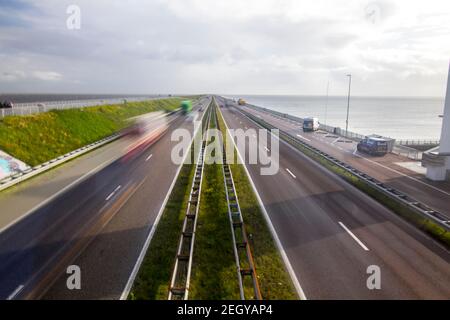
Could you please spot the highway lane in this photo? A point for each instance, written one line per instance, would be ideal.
(99, 224)
(385, 169)
(325, 226)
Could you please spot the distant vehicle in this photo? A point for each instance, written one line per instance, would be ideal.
(373, 145)
(6, 105)
(310, 124)
(242, 102)
(186, 106)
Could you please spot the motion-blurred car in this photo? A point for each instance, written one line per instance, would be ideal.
(144, 131)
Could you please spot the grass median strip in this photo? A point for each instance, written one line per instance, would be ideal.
(214, 269)
(38, 138)
(274, 280)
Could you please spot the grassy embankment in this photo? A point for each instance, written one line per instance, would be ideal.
(274, 280)
(428, 225)
(153, 278)
(38, 138)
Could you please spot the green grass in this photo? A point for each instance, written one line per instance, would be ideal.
(38, 138)
(214, 274)
(274, 280)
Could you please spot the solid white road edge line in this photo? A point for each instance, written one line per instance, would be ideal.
(387, 168)
(129, 285)
(283, 254)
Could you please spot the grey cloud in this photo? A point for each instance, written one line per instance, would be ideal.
(151, 47)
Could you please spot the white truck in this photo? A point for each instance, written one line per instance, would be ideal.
(310, 124)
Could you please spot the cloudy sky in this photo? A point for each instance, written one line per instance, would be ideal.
(392, 48)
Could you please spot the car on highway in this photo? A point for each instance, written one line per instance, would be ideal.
(310, 124)
(6, 105)
(376, 146)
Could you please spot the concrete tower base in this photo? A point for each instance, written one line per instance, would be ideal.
(438, 162)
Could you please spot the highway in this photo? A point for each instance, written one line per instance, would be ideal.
(99, 223)
(332, 232)
(389, 169)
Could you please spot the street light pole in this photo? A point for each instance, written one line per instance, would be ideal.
(348, 103)
(326, 103)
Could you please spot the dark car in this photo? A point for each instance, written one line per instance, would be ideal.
(6, 105)
(373, 146)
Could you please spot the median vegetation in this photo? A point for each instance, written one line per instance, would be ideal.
(214, 273)
(274, 280)
(38, 138)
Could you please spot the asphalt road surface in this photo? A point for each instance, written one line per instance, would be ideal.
(332, 233)
(386, 169)
(100, 224)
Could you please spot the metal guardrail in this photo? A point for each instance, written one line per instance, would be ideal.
(241, 247)
(418, 142)
(407, 152)
(428, 213)
(28, 173)
(334, 130)
(32, 171)
(180, 281)
(398, 147)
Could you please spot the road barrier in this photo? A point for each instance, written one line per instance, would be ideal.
(31, 172)
(181, 275)
(40, 168)
(399, 147)
(241, 246)
(425, 212)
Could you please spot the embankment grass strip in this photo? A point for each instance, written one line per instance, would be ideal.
(274, 280)
(38, 138)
